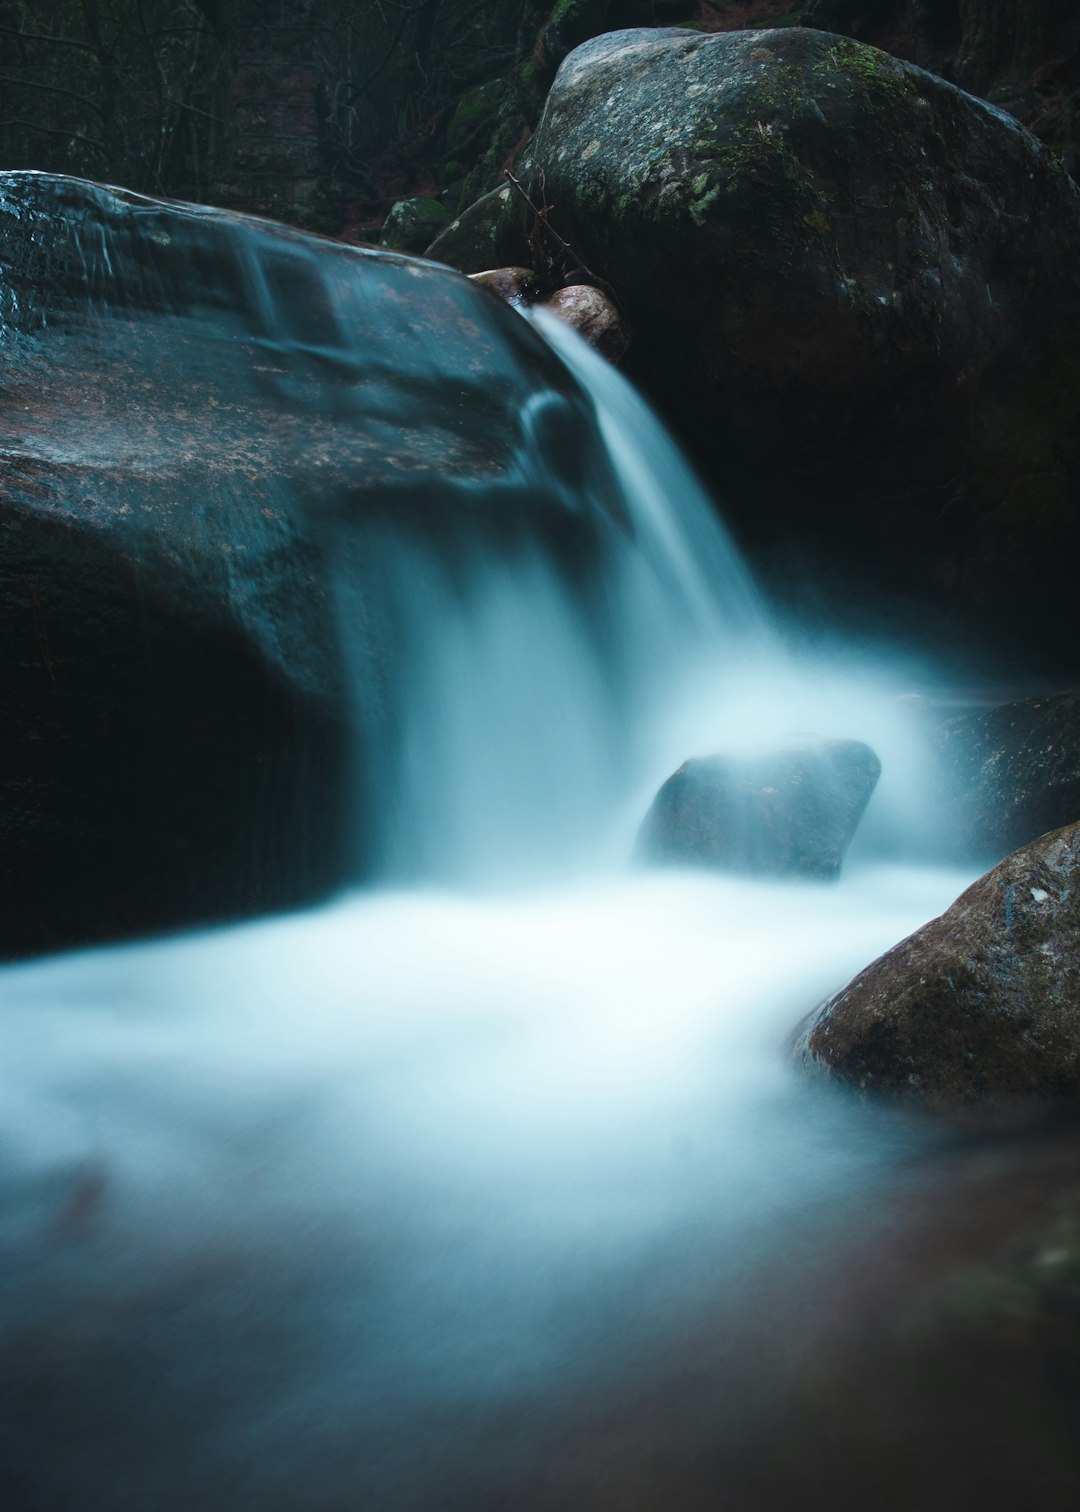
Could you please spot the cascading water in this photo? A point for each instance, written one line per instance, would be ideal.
(397, 1203)
(530, 702)
(537, 715)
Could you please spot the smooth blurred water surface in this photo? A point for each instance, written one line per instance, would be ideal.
(338, 1209)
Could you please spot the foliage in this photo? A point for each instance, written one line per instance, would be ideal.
(404, 97)
(394, 72)
(111, 89)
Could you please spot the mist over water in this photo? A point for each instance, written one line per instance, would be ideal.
(538, 716)
(371, 1205)
(331, 1205)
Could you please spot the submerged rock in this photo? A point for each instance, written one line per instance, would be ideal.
(1012, 773)
(209, 426)
(982, 1003)
(791, 813)
(852, 288)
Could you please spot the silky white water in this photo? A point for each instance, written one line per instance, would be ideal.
(374, 1205)
(538, 718)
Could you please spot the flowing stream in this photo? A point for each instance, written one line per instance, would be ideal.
(381, 1204)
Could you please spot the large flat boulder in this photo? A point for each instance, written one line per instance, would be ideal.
(981, 1005)
(853, 290)
(209, 425)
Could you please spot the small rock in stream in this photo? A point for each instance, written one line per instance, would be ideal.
(790, 813)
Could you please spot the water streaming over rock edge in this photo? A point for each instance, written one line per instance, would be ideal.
(531, 695)
(206, 420)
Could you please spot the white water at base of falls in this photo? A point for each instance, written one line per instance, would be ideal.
(370, 1205)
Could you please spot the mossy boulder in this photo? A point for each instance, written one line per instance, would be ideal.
(1023, 55)
(980, 1005)
(480, 238)
(787, 813)
(413, 223)
(852, 288)
(472, 114)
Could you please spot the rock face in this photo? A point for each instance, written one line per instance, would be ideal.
(208, 426)
(851, 286)
(791, 813)
(518, 287)
(1022, 57)
(413, 223)
(1011, 773)
(981, 1003)
(594, 316)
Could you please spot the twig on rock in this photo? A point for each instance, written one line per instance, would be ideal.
(542, 226)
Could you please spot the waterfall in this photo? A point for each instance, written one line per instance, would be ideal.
(538, 706)
(403, 1200)
(531, 692)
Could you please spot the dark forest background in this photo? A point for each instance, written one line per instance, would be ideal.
(326, 112)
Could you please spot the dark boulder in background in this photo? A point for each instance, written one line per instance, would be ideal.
(208, 422)
(853, 292)
(788, 813)
(981, 1005)
(1010, 774)
(413, 223)
(1024, 56)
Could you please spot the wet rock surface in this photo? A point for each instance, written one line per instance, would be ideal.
(518, 287)
(852, 291)
(981, 1005)
(588, 310)
(791, 813)
(1012, 773)
(594, 316)
(207, 422)
(1023, 57)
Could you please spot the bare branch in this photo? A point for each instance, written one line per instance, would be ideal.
(70, 136)
(55, 89)
(545, 226)
(25, 36)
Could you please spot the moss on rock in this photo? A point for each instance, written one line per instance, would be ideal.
(849, 282)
